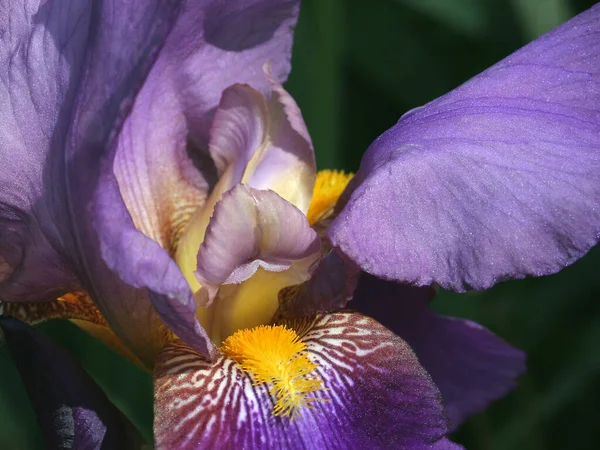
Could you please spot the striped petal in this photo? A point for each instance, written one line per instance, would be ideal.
(471, 365)
(379, 396)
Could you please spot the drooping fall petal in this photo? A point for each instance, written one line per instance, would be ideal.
(470, 365)
(72, 410)
(265, 142)
(379, 396)
(498, 179)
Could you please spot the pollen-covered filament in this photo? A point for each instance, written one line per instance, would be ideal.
(276, 355)
(329, 186)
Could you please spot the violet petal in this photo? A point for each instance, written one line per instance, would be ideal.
(178, 98)
(162, 162)
(470, 365)
(498, 179)
(123, 271)
(42, 48)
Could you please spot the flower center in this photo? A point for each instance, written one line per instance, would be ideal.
(276, 355)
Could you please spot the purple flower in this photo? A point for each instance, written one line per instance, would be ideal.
(157, 181)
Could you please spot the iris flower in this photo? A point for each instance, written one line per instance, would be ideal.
(158, 187)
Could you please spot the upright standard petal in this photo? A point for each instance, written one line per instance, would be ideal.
(286, 163)
(470, 365)
(264, 142)
(498, 179)
(378, 396)
(159, 152)
(72, 410)
(162, 162)
(121, 269)
(42, 47)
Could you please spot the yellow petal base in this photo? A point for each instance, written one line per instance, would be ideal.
(275, 354)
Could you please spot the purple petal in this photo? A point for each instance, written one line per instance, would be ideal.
(287, 163)
(120, 55)
(251, 229)
(71, 69)
(157, 180)
(470, 365)
(239, 130)
(72, 410)
(380, 397)
(42, 47)
(264, 143)
(498, 179)
(165, 139)
(445, 444)
(142, 263)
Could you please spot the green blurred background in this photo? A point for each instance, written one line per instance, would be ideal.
(358, 65)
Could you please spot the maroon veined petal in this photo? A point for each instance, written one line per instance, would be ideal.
(379, 396)
(498, 179)
(471, 366)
